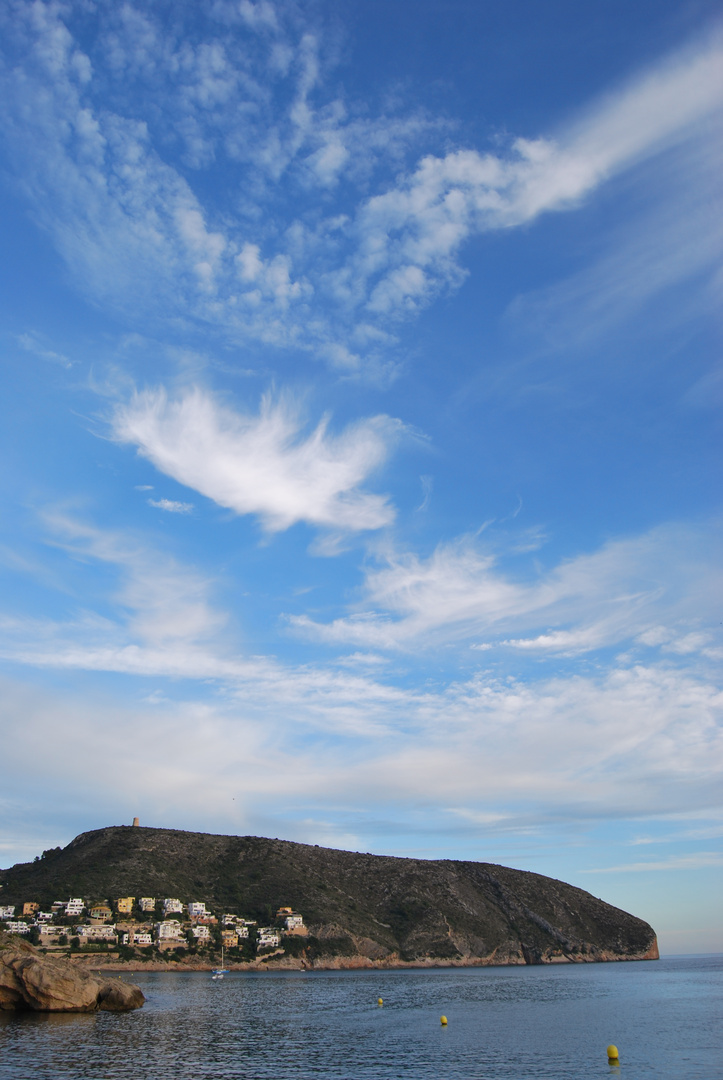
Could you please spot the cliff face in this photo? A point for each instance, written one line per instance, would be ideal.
(369, 908)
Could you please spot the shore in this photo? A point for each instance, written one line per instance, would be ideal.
(278, 962)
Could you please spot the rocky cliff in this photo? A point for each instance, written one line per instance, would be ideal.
(366, 908)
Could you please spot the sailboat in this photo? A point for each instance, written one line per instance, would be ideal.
(219, 972)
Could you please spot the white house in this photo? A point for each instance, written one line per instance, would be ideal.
(196, 909)
(74, 907)
(202, 933)
(17, 928)
(268, 937)
(130, 937)
(147, 903)
(172, 906)
(170, 930)
(96, 933)
(294, 922)
(7, 912)
(53, 931)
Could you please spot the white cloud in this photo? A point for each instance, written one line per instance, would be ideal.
(699, 860)
(171, 506)
(644, 739)
(32, 343)
(673, 238)
(409, 237)
(249, 86)
(259, 14)
(163, 604)
(263, 464)
(612, 595)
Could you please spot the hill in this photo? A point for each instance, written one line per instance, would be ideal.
(371, 907)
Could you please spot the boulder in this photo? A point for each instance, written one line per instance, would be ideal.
(119, 996)
(31, 980)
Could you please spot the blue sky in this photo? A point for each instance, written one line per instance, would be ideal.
(360, 420)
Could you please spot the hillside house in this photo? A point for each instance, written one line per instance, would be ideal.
(101, 912)
(30, 907)
(131, 936)
(7, 912)
(294, 924)
(229, 939)
(197, 910)
(97, 933)
(147, 903)
(172, 907)
(169, 930)
(74, 906)
(201, 933)
(17, 928)
(268, 938)
(52, 933)
(124, 905)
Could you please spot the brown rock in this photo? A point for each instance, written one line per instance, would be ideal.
(11, 990)
(118, 996)
(56, 985)
(30, 980)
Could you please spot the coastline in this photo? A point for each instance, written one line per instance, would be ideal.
(276, 962)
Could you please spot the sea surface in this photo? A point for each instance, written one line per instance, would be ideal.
(665, 1017)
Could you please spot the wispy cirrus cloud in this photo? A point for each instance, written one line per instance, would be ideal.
(32, 343)
(263, 464)
(409, 237)
(615, 594)
(698, 860)
(157, 600)
(498, 753)
(247, 92)
(674, 239)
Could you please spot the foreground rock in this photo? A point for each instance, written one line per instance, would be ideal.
(29, 980)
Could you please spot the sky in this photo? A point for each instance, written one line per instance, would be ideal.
(360, 427)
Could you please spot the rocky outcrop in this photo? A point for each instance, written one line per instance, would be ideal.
(30, 980)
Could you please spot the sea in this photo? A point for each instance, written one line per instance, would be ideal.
(665, 1017)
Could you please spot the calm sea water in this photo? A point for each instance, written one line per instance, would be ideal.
(666, 1018)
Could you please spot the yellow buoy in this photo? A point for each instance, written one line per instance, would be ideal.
(612, 1053)
(380, 1001)
(443, 1021)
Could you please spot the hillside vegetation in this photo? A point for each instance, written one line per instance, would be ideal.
(374, 907)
